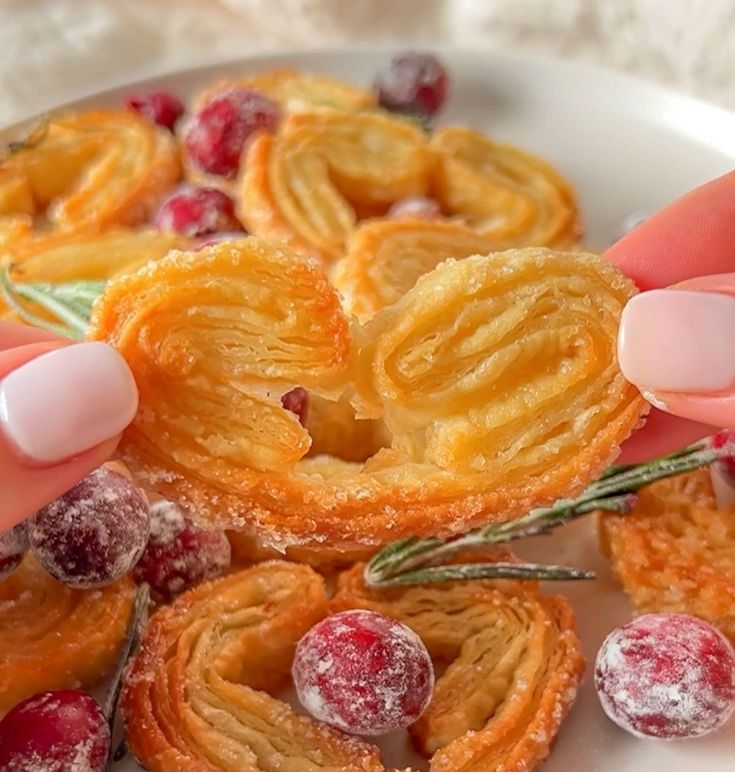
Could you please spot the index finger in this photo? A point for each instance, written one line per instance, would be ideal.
(13, 335)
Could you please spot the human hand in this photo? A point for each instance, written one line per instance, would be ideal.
(678, 344)
(62, 408)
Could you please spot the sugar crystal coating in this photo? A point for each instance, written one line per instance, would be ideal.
(667, 676)
(363, 672)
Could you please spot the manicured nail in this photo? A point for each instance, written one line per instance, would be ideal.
(67, 401)
(678, 340)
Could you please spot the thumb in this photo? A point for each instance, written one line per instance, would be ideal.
(62, 408)
(677, 345)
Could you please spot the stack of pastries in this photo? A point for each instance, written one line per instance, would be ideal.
(424, 294)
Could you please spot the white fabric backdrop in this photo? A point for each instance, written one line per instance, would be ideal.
(53, 49)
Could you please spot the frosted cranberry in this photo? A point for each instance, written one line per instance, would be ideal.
(179, 554)
(13, 545)
(297, 401)
(668, 676)
(157, 106)
(724, 442)
(363, 672)
(197, 212)
(59, 731)
(218, 238)
(93, 534)
(217, 134)
(415, 208)
(413, 83)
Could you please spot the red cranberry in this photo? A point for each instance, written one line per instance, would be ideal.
(157, 106)
(363, 672)
(669, 676)
(58, 731)
(13, 545)
(197, 212)
(93, 534)
(218, 133)
(413, 83)
(218, 238)
(297, 401)
(724, 442)
(180, 555)
(415, 208)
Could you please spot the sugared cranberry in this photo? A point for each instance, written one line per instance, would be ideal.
(218, 238)
(724, 442)
(415, 208)
(217, 134)
(297, 401)
(179, 554)
(668, 676)
(13, 545)
(157, 106)
(197, 212)
(363, 672)
(59, 731)
(93, 534)
(413, 83)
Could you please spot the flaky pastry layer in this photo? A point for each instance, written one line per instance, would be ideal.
(199, 696)
(496, 376)
(56, 637)
(676, 550)
(90, 171)
(513, 664)
(385, 257)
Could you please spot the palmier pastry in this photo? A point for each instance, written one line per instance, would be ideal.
(385, 257)
(199, 694)
(676, 550)
(503, 192)
(496, 375)
(295, 91)
(513, 660)
(56, 637)
(90, 171)
(309, 184)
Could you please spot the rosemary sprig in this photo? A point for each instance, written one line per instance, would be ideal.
(417, 561)
(136, 626)
(69, 302)
(34, 138)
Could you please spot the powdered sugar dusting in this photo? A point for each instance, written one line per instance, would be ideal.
(363, 672)
(13, 544)
(668, 676)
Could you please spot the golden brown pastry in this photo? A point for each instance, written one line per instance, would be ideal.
(64, 257)
(295, 90)
(199, 694)
(504, 193)
(496, 375)
(676, 550)
(309, 184)
(385, 258)
(55, 637)
(90, 171)
(513, 660)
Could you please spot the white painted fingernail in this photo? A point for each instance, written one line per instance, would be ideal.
(67, 401)
(678, 340)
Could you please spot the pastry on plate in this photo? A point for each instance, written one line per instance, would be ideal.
(90, 170)
(385, 257)
(503, 192)
(675, 551)
(513, 664)
(294, 90)
(495, 375)
(56, 637)
(308, 184)
(201, 691)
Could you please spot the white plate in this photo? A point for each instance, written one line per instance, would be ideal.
(626, 146)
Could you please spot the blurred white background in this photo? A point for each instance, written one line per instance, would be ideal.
(51, 50)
